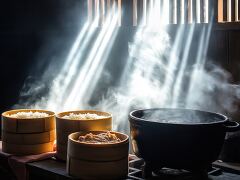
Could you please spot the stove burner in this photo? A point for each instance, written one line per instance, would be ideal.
(138, 168)
(168, 173)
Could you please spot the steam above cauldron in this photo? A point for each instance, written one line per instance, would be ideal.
(155, 74)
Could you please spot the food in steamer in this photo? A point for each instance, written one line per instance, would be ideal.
(83, 116)
(101, 138)
(29, 115)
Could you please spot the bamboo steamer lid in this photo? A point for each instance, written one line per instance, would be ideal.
(29, 139)
(69, 125)
(18, 149)
(66, 126)
(27, 125)
(109, 161)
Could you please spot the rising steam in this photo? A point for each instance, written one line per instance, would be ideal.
(154, 76)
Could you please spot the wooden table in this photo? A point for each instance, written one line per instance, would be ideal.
(52, 169)
(49, 169)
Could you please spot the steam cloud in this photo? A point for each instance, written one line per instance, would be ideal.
(149, 80)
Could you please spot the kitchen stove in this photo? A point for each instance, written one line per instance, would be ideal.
(55, 170)
(138, 171)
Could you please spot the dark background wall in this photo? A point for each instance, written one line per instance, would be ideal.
(32, 33)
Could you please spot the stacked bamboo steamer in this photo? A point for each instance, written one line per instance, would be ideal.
(66, 126)
(25, 136)
(97, 161)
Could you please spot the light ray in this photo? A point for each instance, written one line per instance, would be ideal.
(74, 98)
(182, 68)
(100, 60)
(69, 70)
(200, 62)
(173, 62)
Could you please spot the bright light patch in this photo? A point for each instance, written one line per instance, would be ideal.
(74, 79)
(87, 74)
(200, 62)
(67, 73)
(180, 76)
(154, 73)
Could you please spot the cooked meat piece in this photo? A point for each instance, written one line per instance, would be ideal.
(102, 138)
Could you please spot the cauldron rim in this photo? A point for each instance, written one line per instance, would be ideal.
(142, 120)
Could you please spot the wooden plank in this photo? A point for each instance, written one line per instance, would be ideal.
(102, 12)
(148, 9)
(220, 11)
(227, 26)
(229, 10)
(166, 6)
(119, 10)
(134, 12)
(236, 10)
(171, 12)
(189, 7)
(206, 12)
(175, 7)
(198, 11)
(216, 26)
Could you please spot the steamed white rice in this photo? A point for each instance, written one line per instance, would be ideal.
(83, 116)
(29, 115)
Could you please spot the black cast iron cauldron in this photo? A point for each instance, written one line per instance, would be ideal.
(178, 138)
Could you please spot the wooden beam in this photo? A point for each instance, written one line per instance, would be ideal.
(229, 10)
(135, 12)
(236, 10)
(119, 9)
(220, 11)
(189, 11)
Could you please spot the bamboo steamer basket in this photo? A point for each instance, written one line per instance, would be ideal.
(18, 149)
(25, 136)
(29, 139)
(27, 125)
(65, 127)
(97, 161)
(61, 152)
